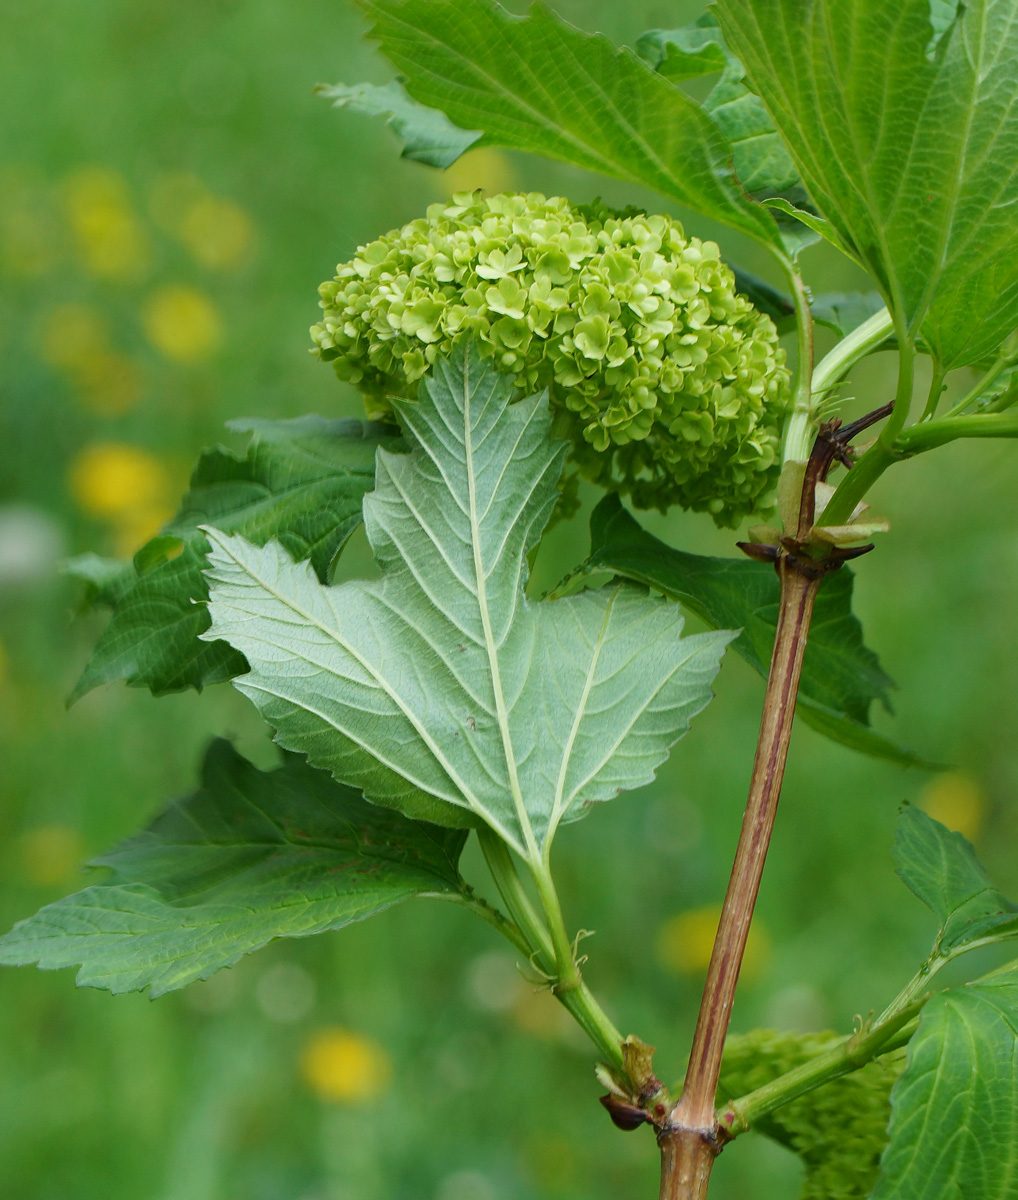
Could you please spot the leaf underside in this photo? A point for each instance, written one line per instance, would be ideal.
(440, 689)
(954, 1122)
(301, 481)
(911, 154)
(540, 85)
(252, 855)
(940, 867)
(841, 677)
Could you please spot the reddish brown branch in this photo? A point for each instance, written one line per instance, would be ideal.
(690, 1145)
(690, 1137)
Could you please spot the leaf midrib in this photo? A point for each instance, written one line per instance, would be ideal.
(501, 712)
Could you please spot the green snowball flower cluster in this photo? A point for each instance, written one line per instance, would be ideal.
(839, 1130)
(670, 384)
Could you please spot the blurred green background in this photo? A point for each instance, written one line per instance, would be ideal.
(171, 194)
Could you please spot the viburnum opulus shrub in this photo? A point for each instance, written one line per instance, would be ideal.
(504, 346)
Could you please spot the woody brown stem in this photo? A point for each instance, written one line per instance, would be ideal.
(690, 1136)
(686, 1161)
(690, 1143)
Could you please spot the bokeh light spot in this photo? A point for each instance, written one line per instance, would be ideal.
(75, 339)
(538, 1013)
(218, 233)
(31, 544)
(485, 168)
(493, 982)
(285, 993)
(956, 800)
(685, 943)
(111, 242)
(51, 854)
(112, 479)
(343, 1067)
(465, 1185)
(182, 323)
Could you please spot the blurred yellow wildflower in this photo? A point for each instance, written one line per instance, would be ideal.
(133, 529)
(536, 1011)
(217, 232)
(110, 240)
(182, 323)
(344, 1067)
(75, 339)
(485, 168)
(50, 854)
(685, 942)
(956, 800)
(112, 479)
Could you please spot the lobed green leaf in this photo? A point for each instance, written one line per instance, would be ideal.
(540, 85)
(841, 677)
(762, 163)
(939, 866)
(106, 580)
(301, 482)
(954, 1118)
(441, 689)
(910, 153)
(428, 134)
(251, 856)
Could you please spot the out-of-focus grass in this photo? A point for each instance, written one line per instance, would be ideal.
(170, 196)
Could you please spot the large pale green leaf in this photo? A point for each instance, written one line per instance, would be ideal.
(441, 689)
(300, 481)
(940, 867)
(252, 855)
(954, 1112)
(841, 677)
(429, 136)
(912, 156)
(538, 84)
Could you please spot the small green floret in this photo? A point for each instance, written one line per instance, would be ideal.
(671, 385)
